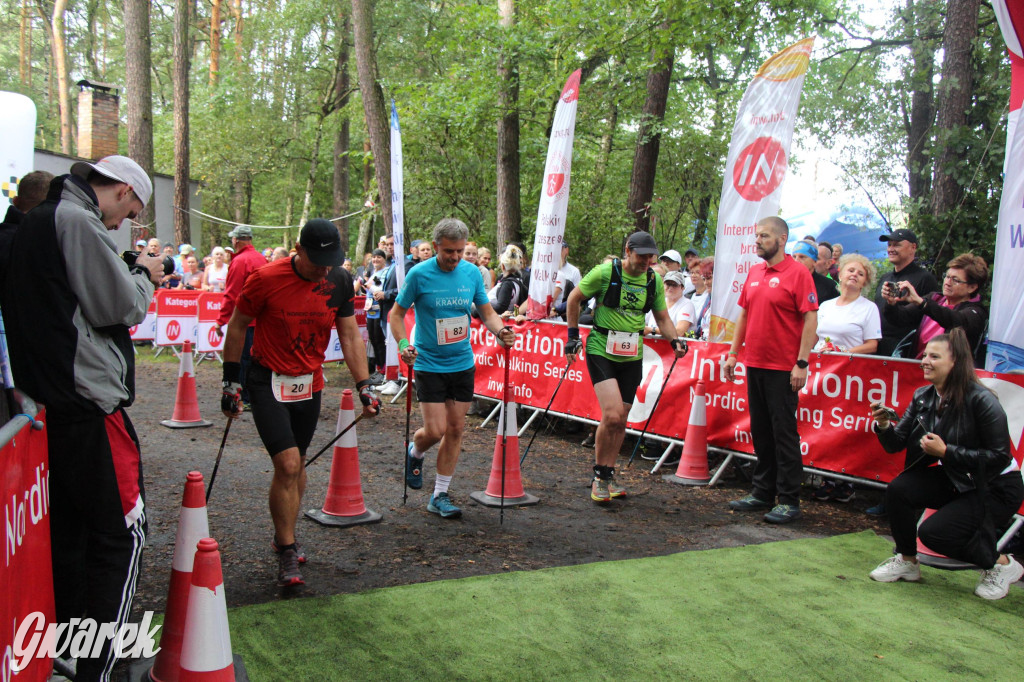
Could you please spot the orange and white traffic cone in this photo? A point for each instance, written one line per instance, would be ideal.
(206, 648)
(929, 557)
(193, 526)
(693, 464)
(186, 405)
(344, 505)
(514, 494)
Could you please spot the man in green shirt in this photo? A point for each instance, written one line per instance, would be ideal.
(625, 290)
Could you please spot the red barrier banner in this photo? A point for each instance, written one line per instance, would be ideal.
(208, 308)
(26, 579)
(145, 330)
(833, 414)
(176, 316)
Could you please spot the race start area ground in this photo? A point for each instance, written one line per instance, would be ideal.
(411, 545)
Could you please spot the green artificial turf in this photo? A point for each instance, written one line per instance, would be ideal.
(796, 610)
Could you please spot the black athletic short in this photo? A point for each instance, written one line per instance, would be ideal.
(628, 374)
(436, 387)
(280, 425)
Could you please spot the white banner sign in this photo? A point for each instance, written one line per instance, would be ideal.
(1006, 326)
(554, 202)
(18, 121)
(398, 231)
(755, 169)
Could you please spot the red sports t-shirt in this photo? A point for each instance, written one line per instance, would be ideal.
(776, 299)
(294, 317)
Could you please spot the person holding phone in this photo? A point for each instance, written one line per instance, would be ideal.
(902, 252)
(957, 423)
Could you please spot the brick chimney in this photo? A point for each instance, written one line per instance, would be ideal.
(98, 105)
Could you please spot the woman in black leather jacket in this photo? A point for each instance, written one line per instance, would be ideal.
(977, 487)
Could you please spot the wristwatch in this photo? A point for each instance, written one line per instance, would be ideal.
(802, 364)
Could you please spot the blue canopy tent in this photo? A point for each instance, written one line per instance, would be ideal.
(856, 228)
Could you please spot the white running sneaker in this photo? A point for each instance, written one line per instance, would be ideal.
(995, 582)
(896, 568)
(390, 388)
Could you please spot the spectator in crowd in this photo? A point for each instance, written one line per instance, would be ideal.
(566, 280)
(898, 330)
(775, 331)
(470, 254)
(375, 321)
(387, 299)
(848, 324)
(153, 246)
(680, 308)
(484, 263)
(956, 422)
(141, 245)
(426, 251)
(692, 258)
(32, 189)
(673, 262)
(347, 264)
(70, 300)
(245, 262)
(169, 250)
(366, 267)
(230, 254)
(823, 266)
(193, 276)
(837, 253)
(627, 290)
(413, 258)
(510, 292)
(702, 306)
(268, 254)
(389, 246)
(959, 304)
(216, 276)
(442, 291)
(279, 253)
(806, 253)
(295, 304)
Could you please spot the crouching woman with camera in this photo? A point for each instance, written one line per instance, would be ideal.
(958, 423)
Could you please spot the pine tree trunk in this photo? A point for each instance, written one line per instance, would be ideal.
(341, 140)
(60, 64)
(214, 42)
(648, 143)
(25, 45)
(954, 98)
(182, 61)
(139, 90)
(509, 208)
(373, 104)
(236, 11)
(921, 18)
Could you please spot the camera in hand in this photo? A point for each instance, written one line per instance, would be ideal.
(891, 290)
(130, 257)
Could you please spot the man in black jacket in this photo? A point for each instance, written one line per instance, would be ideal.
(31, 191)
(902, 253)
(70, 302)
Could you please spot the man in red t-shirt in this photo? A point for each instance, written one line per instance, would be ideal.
(245, 261)
(296, 302)
(781, 308)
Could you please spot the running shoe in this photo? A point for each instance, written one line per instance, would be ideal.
(995, 582)
(442, 504)
(376, 379)
(896, 568)
(288, 573)
(599, 491)
(749, 503)
(298, 550)
(413, 470)
(844, 492)
(825, 492)
(390, 388)
(588, 442)
(783, 513)
(615, 490)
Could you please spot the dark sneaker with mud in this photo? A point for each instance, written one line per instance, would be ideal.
(749, 503)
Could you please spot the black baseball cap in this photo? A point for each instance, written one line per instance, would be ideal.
(901, 235)
(322, 243)
(642, 243)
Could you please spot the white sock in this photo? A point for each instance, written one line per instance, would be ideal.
(441, 484)
(416, 453)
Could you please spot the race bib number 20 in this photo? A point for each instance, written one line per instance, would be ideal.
(291, 389)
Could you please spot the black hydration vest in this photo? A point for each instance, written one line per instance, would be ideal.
(613, 293)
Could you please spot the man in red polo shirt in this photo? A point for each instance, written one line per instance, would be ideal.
(243, 263)
(781, 308)
(296, 301)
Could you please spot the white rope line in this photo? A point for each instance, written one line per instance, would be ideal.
(225, 221)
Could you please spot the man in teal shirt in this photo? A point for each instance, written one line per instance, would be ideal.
(625, 291)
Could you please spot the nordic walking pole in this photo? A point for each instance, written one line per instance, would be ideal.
(220, 452)
(334, 440)
(546, 410)
(651, 415)
(408, 414)
(504, 434)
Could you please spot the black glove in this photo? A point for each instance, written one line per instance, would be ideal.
(367, 397)
(231, 398)
(573, 343)
(678, 343)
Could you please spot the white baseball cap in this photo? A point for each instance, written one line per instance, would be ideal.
(122, 169)
(672, 255)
